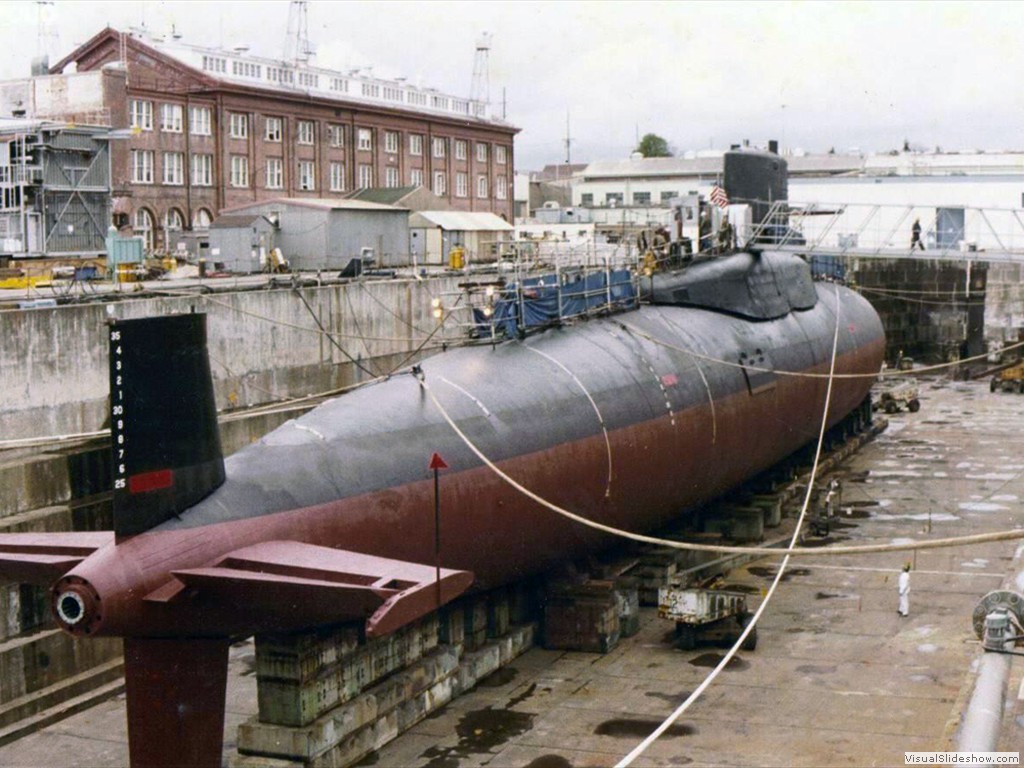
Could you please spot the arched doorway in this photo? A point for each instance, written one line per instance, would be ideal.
(202, 219)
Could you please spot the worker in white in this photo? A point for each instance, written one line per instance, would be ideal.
(904, 590)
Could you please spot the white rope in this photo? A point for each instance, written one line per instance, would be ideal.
(979, 538)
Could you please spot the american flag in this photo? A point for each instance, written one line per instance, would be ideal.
(718, 197)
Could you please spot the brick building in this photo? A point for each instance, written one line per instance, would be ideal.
(212, 129)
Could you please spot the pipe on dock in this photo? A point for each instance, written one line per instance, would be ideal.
(979, 731)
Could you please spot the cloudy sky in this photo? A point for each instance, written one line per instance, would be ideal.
(816, 75)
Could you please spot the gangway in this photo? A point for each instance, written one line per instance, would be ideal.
(948, 233)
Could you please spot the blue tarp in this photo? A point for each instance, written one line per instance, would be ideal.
(540, 306)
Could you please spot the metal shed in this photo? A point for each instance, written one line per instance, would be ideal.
(241, 242)
(55, 188)
(432, 235)
(315, 233)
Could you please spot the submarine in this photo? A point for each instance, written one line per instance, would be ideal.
(712, 373)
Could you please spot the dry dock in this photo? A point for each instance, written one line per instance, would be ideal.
(837, 678)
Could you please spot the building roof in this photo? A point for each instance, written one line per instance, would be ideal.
(319, 203)
(233, 220)
(383, 195)
(652, 167)
(460, 221)
(302, 78)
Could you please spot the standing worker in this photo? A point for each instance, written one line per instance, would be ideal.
(915, 235)
(904, 590)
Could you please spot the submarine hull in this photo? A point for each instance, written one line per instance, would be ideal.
(626, 420)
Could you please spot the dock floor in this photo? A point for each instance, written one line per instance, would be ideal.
(838, 678)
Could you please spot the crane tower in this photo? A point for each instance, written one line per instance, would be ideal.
(480, 90)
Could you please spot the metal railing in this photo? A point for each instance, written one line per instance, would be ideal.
(14, 175)
(526, 294)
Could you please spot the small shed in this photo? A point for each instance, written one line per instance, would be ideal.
(432, 235)
(317, 233)
(241, 242)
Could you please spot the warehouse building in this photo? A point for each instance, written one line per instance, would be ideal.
(313, 234)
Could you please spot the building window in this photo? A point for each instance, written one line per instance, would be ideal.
(337, 177)
(415, 144)
(202, 170)
(365, 139)
(336, 135)
(309, 79)
(280, 75)
(143, 225)
(365, 176)
(239, 171)
(275, 173)
(482, 186)
(666, 197)
(460, 152)
(174, 168)
(440, 183)
(391, 141)
(199, 121)
(438, 145)
(641, 198)
(307, 175)
(215, 64)
(142, 115)
(142, 166)
(391, 178)
(613, 198)
(339, 84)
(461, 185)
(202, 219)
(481, 153)
(274, 129)
(246, 69)
(500, 155)
(171, 117)
(174, 221)
(304, 131)
(416, 177)
(501, 188)
(587, 198)
(239, 125)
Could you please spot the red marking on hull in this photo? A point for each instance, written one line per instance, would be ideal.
(151, 481)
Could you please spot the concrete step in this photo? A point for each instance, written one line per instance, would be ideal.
(37, 710)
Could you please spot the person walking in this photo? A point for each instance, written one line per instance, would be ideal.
(904, 591)
(915, 235)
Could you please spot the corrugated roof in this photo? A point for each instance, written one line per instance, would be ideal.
(460, 221)
(383, 195)
(321, 203)
(235, 220)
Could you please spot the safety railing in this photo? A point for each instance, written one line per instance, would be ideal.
(529, 295)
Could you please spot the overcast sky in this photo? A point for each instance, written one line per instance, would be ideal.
(701, 74)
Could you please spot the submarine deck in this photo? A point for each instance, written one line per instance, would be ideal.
(837, 678)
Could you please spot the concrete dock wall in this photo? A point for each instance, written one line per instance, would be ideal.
(264, 346)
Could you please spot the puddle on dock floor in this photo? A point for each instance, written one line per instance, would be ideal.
(639, 729)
